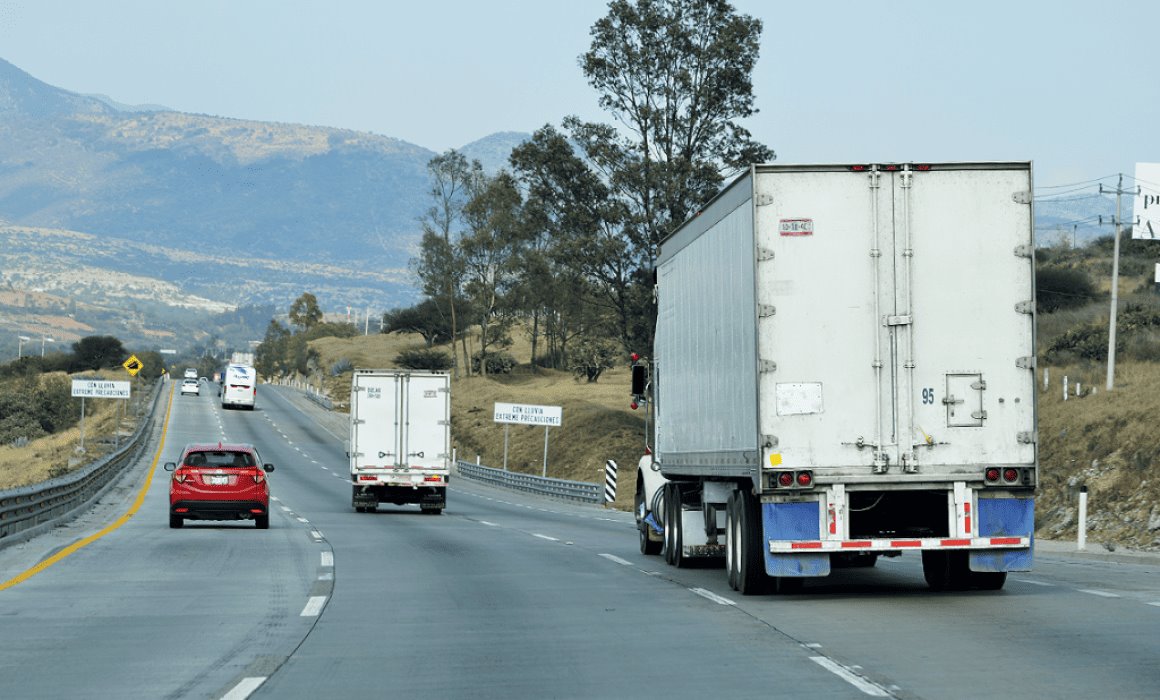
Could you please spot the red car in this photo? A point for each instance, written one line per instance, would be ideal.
(219, 482)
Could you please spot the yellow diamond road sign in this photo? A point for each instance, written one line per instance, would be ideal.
(133, 365)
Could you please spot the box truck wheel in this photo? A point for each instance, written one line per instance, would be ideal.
(647, 545)
(988, 580)
(751, 577)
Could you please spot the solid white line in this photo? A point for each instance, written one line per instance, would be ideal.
(850, 677)
(618, 560)
(1102, 594)
(244, 688)
(1157, 604)
(313, 606)
(545, 537)
(327, 559)
(303, 520)
(1034, 583)
(484, 522)
(712, 596)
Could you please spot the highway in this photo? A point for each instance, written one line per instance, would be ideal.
(508, 595)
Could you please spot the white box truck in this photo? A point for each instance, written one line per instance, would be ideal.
(843, 368)
(400, 438)
(239, 387)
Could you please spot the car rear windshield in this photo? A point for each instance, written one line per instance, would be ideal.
(220, 458)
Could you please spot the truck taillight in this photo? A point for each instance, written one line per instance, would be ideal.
(802, 479)
(785, 479)
(1010, 475)
(432, 478)
(991, 475)
(805, 479)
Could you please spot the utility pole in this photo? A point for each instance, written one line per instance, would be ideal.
(1115, 282)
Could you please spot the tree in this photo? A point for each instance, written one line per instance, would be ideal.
(489, 254)
(304, 312)
(676, 75)
(438, 265)
(97, 351)
(425, 318)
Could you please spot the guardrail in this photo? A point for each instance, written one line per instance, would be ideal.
(30, 510)
(560, 488)
(310, 391)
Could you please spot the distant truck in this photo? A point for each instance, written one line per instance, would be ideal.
(843, 369)
(239, 387)
(400, 438)
(242, 358)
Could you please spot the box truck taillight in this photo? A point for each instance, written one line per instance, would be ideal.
(996, 476)
(366, 477)
(432, 478)
(802, 479)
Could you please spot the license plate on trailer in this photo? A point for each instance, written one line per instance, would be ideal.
(217, 480)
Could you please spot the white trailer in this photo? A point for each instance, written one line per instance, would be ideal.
(843, 368)
(239, 387)
(400, 438)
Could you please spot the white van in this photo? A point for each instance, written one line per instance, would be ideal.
(190, 373)
(239, 387)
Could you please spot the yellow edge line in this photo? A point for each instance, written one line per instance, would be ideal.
(110, 528)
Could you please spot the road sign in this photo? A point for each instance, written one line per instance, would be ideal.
(99, 389)
(526, 414)
(1146, 222)
(133, 365)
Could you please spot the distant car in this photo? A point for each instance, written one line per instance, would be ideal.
(219, 482)
(190, 386)
(190, 373)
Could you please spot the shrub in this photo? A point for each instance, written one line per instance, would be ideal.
(423, 358)
(1062, 288)
(340, 366)
(589, 358)
(495, 362)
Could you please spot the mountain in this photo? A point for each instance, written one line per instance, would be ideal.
(156, 208)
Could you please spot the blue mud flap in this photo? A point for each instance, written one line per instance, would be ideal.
(793, 521)
(1005, 517)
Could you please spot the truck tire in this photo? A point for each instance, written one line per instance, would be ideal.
(988, 580)
(751, 576)
(946, 571)
(647, 546)
(731, 537)
(674, 538)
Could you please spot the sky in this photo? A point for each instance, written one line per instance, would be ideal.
(1069, 85)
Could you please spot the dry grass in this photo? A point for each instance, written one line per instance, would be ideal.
(55, 455)
(1108, 442)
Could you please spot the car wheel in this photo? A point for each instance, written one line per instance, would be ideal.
(262, 521)
(176, 521)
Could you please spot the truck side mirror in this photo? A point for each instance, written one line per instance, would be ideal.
(639, 379)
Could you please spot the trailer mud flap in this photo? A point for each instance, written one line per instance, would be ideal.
(1005, 517)
(793, 521)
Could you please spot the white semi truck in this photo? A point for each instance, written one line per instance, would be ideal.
(843, 368)
(400, 438)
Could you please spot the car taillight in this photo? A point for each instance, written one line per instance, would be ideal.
(182, 477)
(259, 477)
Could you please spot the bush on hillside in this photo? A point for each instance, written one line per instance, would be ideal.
(1062, 288)
(340, 366)
(423, 358)
(495, 362)
(32, 406)
(589, 358)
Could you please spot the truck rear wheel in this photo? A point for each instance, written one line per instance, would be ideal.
(946, 570)
(674, 538)
(731, 537)
(751, 576)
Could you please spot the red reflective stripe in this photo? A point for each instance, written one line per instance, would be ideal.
(954, 543)
(967, 509)
(857, 544)
(805, 545)
(1006, 540)
(905, 543)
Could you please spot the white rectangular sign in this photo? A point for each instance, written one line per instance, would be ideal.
(526, 414)
(99, 389)
(1146, 212)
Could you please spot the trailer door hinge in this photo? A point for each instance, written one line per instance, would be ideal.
(357, 421)
(1024, 251)
(1025, 307)
(764, 254)
(1025, 362)
(900, 320)
(1021, 197)
(980, 385)
(1027, 437)
(766, 366)
(979, 415)
(765, 310)
(769, 441)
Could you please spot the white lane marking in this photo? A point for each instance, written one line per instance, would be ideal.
(244, 688)
(814, 645)
(484, 522)
(313, 606)
(286, 509)
(618, 560)
(274, 498)
(1102, 594)
(545, 537)
(712, 596)
(327, 559)
(850, 677)
(1157, 604)
(1035, 583)
(316, 534)
(303, 520)
(328, 576)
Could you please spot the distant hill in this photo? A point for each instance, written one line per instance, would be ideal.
(226, 210)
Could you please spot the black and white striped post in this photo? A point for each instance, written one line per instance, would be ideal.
(610, 481)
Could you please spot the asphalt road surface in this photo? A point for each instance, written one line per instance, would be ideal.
(509, 595)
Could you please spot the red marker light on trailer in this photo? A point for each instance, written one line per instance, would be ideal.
(785, 479)
(805, 479)
(1010, 475)
(634, 405)
(634, 357)
(992, 474)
